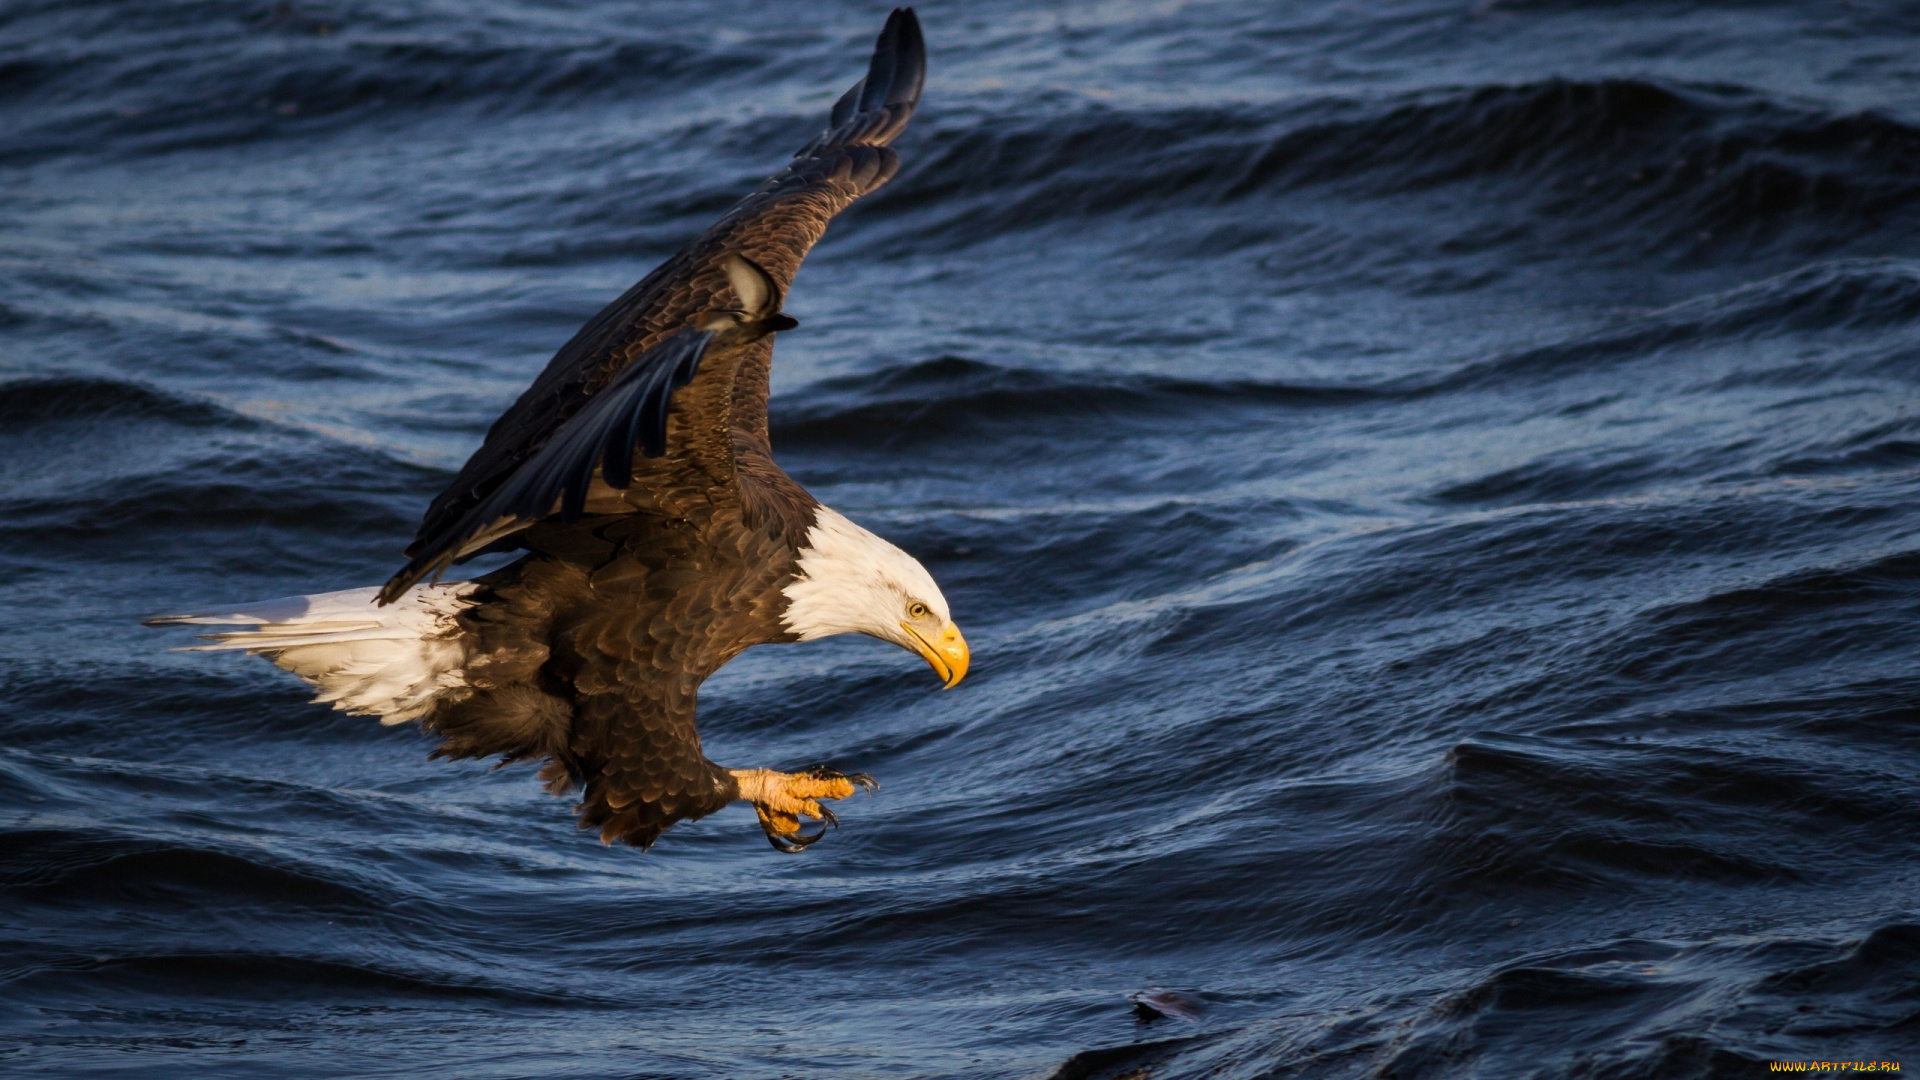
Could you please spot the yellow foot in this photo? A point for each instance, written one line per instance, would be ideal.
(782, 799)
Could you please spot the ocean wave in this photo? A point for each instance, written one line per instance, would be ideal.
(1558, 813)
(1585, 475)
(1801, 617)
(25, 403)
(59, 867)
(117, 457)
(1882, 965)
(1750, 607)
(1686, 165)
(228, 975)
(236, 72)
(1844, 295)
(1534, 1011)
(361, 497)
(1894, 445)
(1850, 294)
(1139, 1059)
(1686, 168)
(951, 394)
(1628, 1006)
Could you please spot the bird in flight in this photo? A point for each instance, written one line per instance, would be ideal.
(661, 540)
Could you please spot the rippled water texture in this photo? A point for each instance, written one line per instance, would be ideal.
(1431, 487)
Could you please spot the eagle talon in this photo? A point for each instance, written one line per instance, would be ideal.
(784, 800)
(864, 782)
(794, 843)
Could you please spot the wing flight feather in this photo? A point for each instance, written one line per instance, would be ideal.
(627, 416)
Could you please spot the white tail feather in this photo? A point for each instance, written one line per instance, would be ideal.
(392, 662)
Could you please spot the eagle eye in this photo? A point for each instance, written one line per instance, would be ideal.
(917, 610)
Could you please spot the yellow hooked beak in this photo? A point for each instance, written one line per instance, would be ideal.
(948, 654)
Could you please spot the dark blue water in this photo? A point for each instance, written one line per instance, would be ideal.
(1433, 489)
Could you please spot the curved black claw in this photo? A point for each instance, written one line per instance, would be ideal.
(864, 782)
(794, 843)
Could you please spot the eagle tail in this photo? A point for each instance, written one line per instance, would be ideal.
(396, 662)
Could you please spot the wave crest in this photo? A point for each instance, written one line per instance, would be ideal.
(26, 402)
(1688, 165)
(951, 394)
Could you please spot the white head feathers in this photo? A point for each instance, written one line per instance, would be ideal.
(853, 582)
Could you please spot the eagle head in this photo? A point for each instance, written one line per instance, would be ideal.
(849, 581)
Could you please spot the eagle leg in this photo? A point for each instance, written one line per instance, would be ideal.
(782, 799)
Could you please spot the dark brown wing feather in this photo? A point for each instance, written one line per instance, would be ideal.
(628, 417)
(774, 227)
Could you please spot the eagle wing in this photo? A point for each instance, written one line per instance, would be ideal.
(772, 230)
(627, 416)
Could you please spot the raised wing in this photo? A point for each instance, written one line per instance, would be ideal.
(773, 229)
(627, 416)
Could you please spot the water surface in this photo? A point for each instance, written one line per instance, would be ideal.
(1431, 488)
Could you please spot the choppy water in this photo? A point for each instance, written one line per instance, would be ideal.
(1432, 488)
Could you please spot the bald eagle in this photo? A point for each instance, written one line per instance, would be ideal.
(660, 538)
